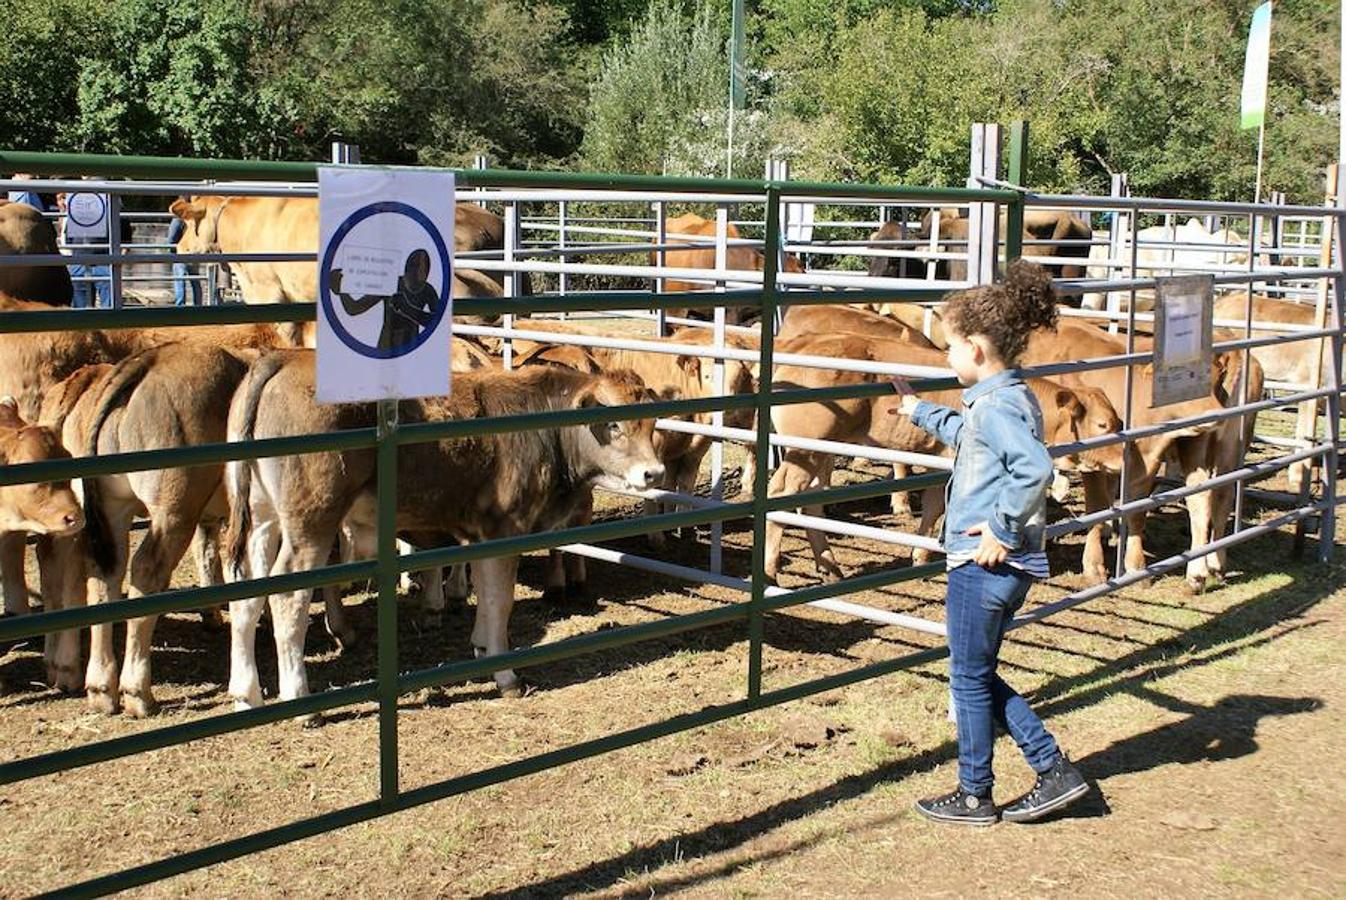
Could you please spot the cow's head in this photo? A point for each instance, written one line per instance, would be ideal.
(622, 452)
(1078, 415)
(202, 216)
(43, 508)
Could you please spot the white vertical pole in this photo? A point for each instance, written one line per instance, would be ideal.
(983, 218)
(974, 213)
(565, 279)
(717, 381)
(661, 283)
(511, 278)
(1117, 240)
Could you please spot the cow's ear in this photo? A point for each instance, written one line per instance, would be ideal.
(691, 365)
(9, 413)
(585, 398)
(188, 211)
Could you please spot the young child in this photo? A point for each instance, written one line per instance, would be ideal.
(993, 536)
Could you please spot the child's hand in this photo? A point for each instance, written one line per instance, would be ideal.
(909, 398)
(990, 552)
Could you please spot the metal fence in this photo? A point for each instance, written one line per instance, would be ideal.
(770, 289)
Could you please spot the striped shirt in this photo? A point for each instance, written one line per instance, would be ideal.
(1032, 563)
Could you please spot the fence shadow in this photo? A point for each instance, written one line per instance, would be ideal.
(1224, 730)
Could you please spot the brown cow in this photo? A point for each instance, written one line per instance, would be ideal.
(285, 511)
(1202, 450)
(290, 225)
(23, 230)
(173, 395)
(739, 258)
(1067, 415)
(1039, 224)
(50, 510)
(801, 321)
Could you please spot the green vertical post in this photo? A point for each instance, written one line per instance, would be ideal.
(387, 603)
(770, 266)
(1018, 174)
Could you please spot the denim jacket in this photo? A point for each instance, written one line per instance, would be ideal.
(1001, 468)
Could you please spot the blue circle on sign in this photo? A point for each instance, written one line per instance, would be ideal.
(324, 285)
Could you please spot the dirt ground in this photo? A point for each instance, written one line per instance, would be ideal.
(1211, 725)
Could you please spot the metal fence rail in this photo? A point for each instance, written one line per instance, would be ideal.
(768, 292)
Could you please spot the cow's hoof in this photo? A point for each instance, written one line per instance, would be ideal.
(829, 576)
(514, 691)
(346, 639)
(310, 721)
(139, 707)
(578, 592)
(555, 594)
(1095, 575)
(102, 701)
(66, 679)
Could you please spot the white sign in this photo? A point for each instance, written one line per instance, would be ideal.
(86, 215)
(1182, 338)
(385, 283)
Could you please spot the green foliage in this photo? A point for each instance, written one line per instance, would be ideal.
(871, 90)
(659, 102)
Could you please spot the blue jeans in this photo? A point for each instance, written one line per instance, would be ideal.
(84, 290)
(981, 603)
(180, 283)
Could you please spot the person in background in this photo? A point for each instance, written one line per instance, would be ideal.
(84, 290)
(32, 198)
(182, 272)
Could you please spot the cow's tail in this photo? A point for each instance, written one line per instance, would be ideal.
(238, 472)
(128, 375)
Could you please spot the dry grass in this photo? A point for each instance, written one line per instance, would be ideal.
(1212, 725)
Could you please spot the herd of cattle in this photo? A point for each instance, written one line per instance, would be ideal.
(118, 391)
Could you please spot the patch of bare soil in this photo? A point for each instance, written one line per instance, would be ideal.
(1212, 726)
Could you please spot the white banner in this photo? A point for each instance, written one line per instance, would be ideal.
(385, 283)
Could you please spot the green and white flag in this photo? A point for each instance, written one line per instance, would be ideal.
(1254, 109)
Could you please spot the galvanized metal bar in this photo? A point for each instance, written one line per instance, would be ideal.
(386, 535)
(1017, 174)
(13, 628)
(177, 457)
(771, 261)
(175, 167)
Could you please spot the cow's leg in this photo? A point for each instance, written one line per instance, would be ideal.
(1097, 496)
(577, 576)
(901, 500)
(101, 678)
(495, 580)
(554, 584)
(152, 567)
(209, 569)
(289, 616)
(1142, 483)
(932, 507)
(795, 474)
(11, 573)
(244, 683)
(457, 586)
(824, 558)
(1192, 456)
(61, 576)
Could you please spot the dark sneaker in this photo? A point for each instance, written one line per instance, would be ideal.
(1055, 788)
(960, 808)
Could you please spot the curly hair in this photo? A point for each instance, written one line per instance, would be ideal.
(1005, 313)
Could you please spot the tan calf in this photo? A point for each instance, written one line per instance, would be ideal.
(285, 511)
(174, 395)
(1202, 450)
(874, 421)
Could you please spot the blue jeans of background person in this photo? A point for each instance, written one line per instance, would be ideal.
(84, 290)
(180, 283)
(981, 603)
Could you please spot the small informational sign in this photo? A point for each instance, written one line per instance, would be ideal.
(86, 216)
(385, 279)
(799, 222)
(1182, 338)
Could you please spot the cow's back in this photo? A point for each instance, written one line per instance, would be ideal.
(24, 231)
